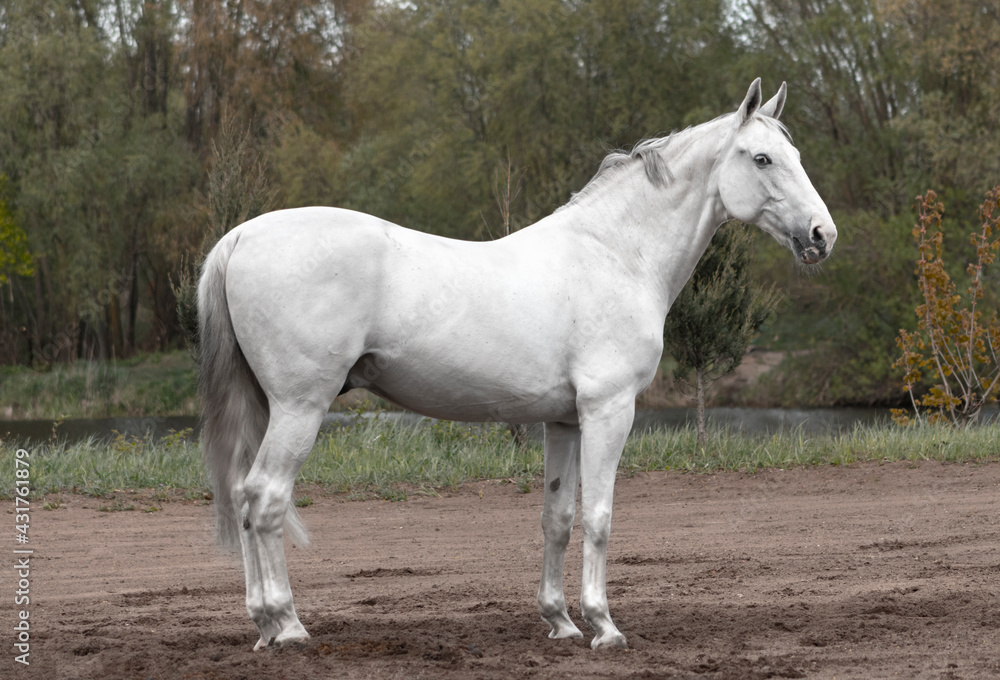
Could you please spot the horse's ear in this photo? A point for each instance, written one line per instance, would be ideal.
(751, 103)
(776, 103)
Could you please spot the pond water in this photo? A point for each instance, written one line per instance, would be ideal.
(747, 420)
(77, 429)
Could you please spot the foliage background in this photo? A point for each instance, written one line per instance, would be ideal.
(110, 110)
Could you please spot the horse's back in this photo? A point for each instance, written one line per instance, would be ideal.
(311, 236)
(455, 329)
(437, 324)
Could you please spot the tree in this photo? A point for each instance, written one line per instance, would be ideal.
(15, 258)
(257, 59)
(441, 91)
(843, 63)
(954, 341)
(98, 172)
(50, 93)
(718, 314)
(887, 98)
(238, 191)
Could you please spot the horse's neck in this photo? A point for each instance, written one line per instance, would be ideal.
(659, 232)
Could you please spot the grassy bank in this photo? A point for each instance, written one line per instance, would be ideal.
(145, 385)
(161, 384)
(373, 457)
(166, 385)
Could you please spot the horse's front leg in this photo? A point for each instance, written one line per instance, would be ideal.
(562, 465)
(604, 431)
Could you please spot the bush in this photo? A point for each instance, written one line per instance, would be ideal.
(953, 342)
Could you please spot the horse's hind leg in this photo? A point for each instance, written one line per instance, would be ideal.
(267, 492)
(562, 464)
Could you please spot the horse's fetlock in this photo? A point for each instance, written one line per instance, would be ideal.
(279, 608)
(549, 606)
(258, 615)
(594, 609)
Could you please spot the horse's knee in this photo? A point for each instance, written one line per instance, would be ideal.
(597, 528)
(557, 525)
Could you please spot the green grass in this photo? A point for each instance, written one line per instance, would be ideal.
(727, 450)
(374, 457)
(100, 468)
(144, 385)
(163, 384)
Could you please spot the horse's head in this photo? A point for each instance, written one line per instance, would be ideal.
(761, 181)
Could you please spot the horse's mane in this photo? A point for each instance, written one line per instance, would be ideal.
(653, 153)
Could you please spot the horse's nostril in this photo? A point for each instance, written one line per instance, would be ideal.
(816, 234)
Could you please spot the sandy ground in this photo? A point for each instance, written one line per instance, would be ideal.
(888, 571)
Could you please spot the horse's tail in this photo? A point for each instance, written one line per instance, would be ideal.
(234, 408)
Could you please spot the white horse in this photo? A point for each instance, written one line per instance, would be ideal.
(560, 323)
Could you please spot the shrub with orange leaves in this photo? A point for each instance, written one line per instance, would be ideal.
(953, 344)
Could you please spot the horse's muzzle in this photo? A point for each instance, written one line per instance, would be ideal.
(819, 244)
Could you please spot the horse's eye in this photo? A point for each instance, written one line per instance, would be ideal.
(761, 160)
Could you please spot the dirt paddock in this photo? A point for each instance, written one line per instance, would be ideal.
(888, 571)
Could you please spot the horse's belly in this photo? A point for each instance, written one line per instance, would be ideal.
(435, 389)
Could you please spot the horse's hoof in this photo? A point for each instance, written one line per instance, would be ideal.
(609, 641)
(562, 627)
(568, 633)
(295, 637)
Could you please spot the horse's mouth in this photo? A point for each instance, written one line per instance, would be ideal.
(811, 255)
